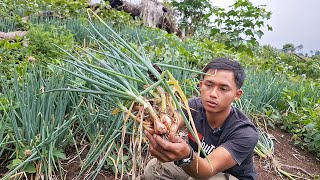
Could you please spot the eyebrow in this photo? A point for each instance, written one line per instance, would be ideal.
(227, 85)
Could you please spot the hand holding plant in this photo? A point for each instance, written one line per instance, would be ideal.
(117, 74)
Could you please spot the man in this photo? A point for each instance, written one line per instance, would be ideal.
(226, 134)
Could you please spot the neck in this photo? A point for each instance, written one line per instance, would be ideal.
(217, 119)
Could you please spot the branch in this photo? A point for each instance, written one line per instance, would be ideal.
(303, 59)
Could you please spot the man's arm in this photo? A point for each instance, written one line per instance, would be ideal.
(176, 148)
(220, 160)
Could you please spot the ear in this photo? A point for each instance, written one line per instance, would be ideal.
(238, 94)
(200, 84)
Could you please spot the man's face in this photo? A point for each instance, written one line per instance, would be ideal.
(218, 90)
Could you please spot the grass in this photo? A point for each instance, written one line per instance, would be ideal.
(263, 91)
(37, 125)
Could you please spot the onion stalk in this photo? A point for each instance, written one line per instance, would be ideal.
(119, 74)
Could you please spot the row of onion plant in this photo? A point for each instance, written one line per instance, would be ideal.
(125, 78)
(35, 127)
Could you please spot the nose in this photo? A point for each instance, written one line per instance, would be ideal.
(214, 92)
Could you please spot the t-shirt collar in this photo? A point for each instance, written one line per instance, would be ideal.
(224, 123)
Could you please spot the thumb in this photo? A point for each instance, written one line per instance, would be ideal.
(174, 139)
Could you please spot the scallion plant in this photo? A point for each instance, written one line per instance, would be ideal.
(36, 125)
(265, 150)
(128, 80)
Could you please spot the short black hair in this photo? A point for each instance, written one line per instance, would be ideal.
(230, 65)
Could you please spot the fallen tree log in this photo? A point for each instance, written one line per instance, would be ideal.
(300, 57)
(152, 12)
(12, 35)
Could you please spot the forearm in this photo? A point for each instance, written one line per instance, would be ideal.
(200, 168)
(218, 161)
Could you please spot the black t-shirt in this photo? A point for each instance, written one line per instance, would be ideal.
(237, 135)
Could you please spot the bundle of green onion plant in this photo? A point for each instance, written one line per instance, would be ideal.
(118, 74)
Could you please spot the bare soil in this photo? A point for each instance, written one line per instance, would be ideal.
(291, 158)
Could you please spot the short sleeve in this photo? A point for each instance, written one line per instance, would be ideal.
(241, 142)
(194, 107)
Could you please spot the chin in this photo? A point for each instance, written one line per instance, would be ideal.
(212, 110)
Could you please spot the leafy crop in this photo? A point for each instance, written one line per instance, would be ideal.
(37, 125)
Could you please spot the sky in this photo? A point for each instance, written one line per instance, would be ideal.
(293, 21)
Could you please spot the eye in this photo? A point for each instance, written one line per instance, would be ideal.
(224, 88)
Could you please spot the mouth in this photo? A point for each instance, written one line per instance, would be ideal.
(212, 103)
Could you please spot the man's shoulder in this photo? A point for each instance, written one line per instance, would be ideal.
(195, 103)
(240, 117)
(240, 123)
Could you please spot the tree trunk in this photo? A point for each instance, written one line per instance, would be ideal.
(152, 12)
(133, 9)
(12, 35)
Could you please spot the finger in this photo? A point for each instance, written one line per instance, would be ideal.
(174, 139)
(155, 149)
(159, 155)
(150, 137)
(165, 150)
(149, 129)
(154, 142)
(163, 144)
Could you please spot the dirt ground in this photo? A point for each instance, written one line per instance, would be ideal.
(291, 158)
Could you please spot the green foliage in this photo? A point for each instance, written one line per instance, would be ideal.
(193, 14)
(15, 14)
(110, 163)
(262, 93)
(242, 24)
(42, 41)
(13, 57)
(289, 48)
(61, 8)
(38, 124)
(102, 129)
(80, 28)
(300, 105)
(296, 105)
(8, 24)
(164, 47)
(64, 8)
(30, 167)
(289, 64)
(39, 47)
(271, 95)
(10, 8)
